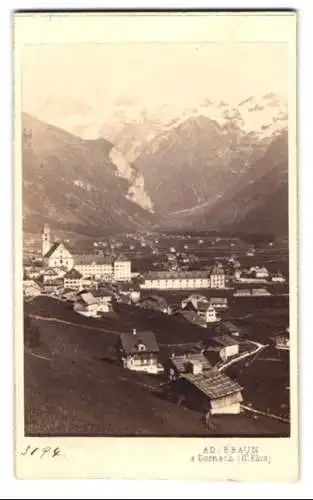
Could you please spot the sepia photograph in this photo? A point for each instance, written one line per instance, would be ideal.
(156, 234)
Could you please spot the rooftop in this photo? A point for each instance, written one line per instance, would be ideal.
(130, 341)
(225, 340)
(73, 274)
(155, 275)
(214, 384)
(180, 361)
(89, 259)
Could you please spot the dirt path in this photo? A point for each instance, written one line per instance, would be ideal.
(258, 348)
(56, 320)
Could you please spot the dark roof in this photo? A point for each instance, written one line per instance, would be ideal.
(217, 270)
(203, 306)
(130, 340)
(88, 259)
(180, 362)
(53, 248)
(214, 384)
(154, 299)
(230, 326)
(225, 340)
(101, 292)
(73, 274)
(121, 258)
(193, 317)
(218, 300)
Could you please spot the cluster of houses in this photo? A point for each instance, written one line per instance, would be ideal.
(57, 256)
(257, 274)
(192, 377)
(63, 270)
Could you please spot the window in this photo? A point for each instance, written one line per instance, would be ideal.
(141, 347)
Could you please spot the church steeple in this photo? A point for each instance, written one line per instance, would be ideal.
(45, 240)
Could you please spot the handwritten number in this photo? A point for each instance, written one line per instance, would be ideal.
(26, 451)
(47, 450)
(56, 452)
(44, 451)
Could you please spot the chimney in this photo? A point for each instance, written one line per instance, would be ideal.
(134, 331)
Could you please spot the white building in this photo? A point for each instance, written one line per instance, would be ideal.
(55, 254)
(94, 266)
(176, 280)
(217, 277)
(122, 269)
(73, 280)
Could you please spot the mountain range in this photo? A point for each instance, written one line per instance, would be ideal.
(74, 183)
(215, 167)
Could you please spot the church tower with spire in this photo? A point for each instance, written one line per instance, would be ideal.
(45, 240)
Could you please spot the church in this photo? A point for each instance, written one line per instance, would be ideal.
(98, 267)
(55, 254)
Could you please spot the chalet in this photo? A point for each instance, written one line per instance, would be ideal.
(192, 362)
(193, 301)
(228, 328)
(217, 277)
(201, 306)
(228, 346)
(207, 312)
(155, 303)
(203, 387)
(213, 392)
(73, 280)
(104, 299)
(50, 286)
(31, 288)
(130, 289)
(259, 272)
(87, 305)
(194, 318)
(139, 352)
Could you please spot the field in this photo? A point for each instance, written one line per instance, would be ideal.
(73, 386)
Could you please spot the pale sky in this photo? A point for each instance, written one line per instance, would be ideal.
(151, 74)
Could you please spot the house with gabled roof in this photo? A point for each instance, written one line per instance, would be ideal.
(55, 254)
(73, 280)
(86, 305)
(228, 346)
(203, 387)
(139, 351)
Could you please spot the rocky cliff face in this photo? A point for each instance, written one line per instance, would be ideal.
(73, 183)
